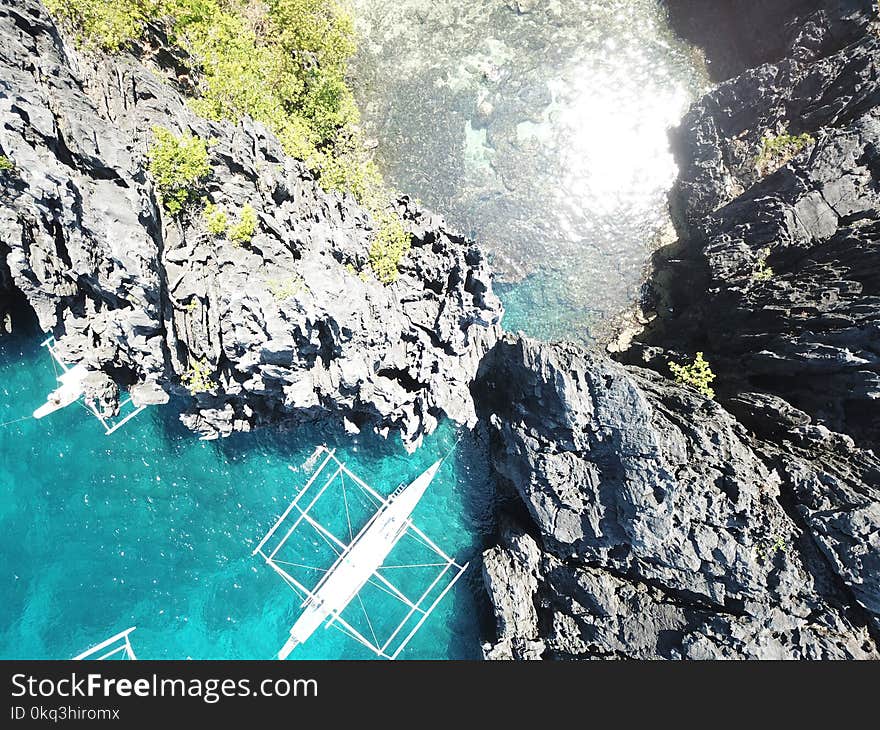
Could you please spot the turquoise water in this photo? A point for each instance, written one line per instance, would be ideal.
(544, 292)
(152, 528)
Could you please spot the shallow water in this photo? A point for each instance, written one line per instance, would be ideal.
(539, 128)
(153, 528)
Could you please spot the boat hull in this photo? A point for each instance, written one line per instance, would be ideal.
(70, 390)
(363, 557)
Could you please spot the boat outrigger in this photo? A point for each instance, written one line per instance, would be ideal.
(72, 388)
(360, 561)
(116, 647)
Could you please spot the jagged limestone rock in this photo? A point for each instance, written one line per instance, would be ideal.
(283, 324)
(663, 524)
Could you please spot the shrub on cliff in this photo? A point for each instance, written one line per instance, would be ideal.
(178, 164)
(108, 24)
(778, 149)
(243, 231)
(282, 289)
(762, 271)
(390, 244)
(197, 379)
(216, 220)
(696, 375)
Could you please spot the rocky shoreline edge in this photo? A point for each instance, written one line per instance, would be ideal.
(657, 522)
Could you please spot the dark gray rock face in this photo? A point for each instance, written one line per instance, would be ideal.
(741, 34)
(282, 325)
(789, 300)
(662, 528)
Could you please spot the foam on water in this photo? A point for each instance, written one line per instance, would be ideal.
(154, 528)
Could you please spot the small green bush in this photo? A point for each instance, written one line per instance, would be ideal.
(697, 375)
(6, 165)
(215, 219)
(390, 244)
(766, 550)
(346, 167)
(178, 164)
(282, 289)
(198, 378)
(243, 230)
(777, 150)
(762, 272)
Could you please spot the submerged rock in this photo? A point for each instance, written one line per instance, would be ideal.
(281, 325)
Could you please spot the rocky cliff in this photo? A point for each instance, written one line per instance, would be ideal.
(657, 523)
(788, 303)
(287, 324)
(657, 526)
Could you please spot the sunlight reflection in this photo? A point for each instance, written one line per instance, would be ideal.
(541, 133)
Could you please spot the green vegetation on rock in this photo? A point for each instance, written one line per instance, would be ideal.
(697, 375)
(243, 230)
(216, 219)
(198, 378)
(178, 164)
(777, 150)
(282, 62)
(390, 244)
(762, 272)
(282, 289)
(107, 24)
(6, 165)
(766, 550)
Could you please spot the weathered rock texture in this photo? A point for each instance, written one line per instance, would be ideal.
(286, 326)
(658, 526)
(808, 331)
(657, 523)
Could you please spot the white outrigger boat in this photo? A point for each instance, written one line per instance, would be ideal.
(359, 562)
(72, 387)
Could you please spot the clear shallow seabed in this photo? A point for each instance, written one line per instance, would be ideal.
(154, 528)
(539, 127)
